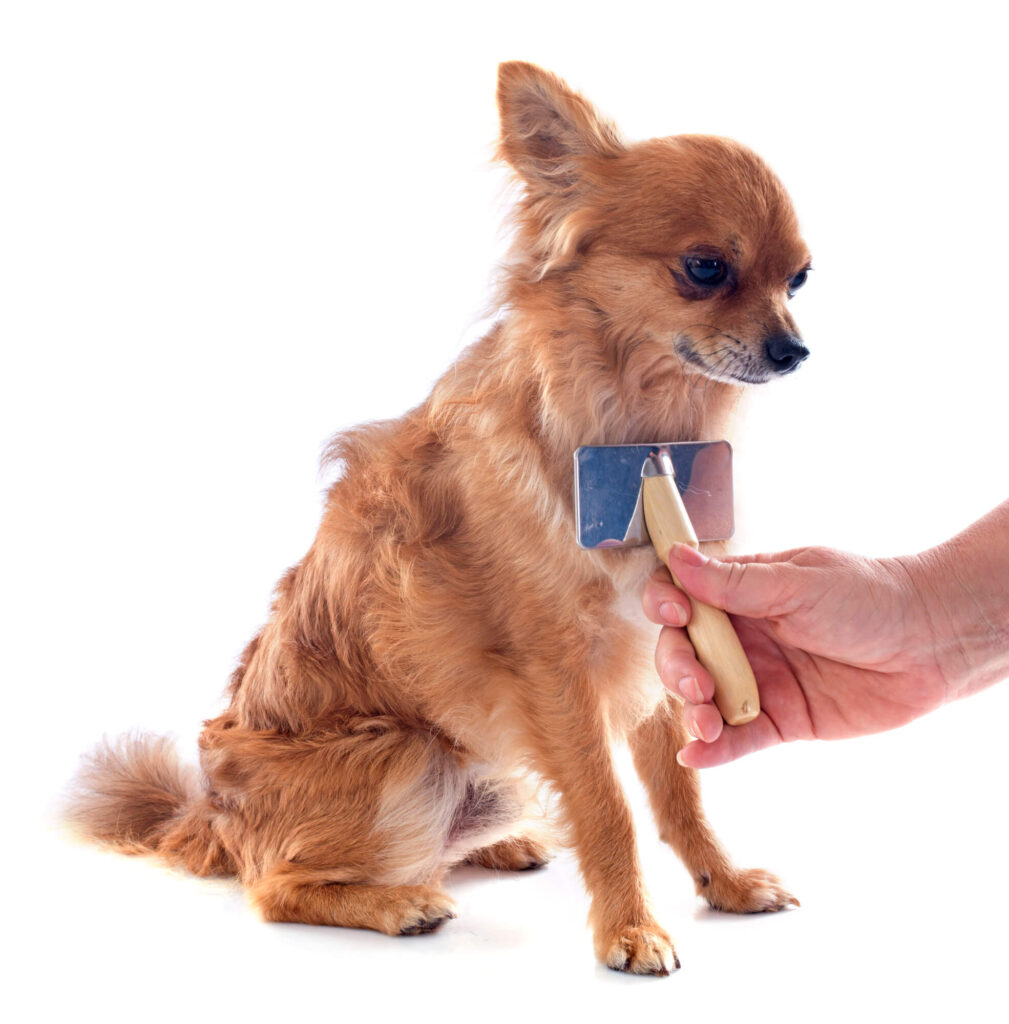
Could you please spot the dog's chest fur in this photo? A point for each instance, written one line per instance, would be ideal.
(634, 694)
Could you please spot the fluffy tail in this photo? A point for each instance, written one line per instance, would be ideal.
(133, 794)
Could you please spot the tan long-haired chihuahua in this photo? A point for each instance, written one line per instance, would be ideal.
(445, 641)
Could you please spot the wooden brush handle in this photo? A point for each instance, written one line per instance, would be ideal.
(715, 642)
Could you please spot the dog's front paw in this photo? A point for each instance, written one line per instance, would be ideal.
(638, 950)
(745, 892)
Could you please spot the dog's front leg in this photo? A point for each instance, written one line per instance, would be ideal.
(572, 751)
(675, 796)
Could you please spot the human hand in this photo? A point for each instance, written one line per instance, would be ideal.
(841, 646)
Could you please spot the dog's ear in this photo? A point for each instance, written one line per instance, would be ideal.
(548, 131)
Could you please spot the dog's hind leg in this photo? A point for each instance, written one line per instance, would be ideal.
(519, 853)
(422, 826)
(533, 839)
(675, 796)
(390, 880)
(355, 826)
(290, 892)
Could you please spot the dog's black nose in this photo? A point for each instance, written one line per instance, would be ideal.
(785, 352)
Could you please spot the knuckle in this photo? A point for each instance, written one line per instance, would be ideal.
(671, 651)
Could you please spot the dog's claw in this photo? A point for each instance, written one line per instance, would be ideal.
(420, 916)
(641, 951)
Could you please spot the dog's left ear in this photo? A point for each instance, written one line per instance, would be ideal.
(548, 132)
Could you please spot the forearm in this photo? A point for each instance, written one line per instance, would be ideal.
(964, 585)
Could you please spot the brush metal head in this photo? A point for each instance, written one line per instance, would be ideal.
(608, 509)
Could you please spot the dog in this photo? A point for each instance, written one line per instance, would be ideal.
(445, 653)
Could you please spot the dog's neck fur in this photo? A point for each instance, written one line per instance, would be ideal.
(607, 389)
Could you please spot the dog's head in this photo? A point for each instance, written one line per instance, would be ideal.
(688, 245)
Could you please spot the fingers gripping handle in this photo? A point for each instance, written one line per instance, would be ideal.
(715, 642)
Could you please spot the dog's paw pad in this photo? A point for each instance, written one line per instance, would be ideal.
(646, 950)
(748, 892)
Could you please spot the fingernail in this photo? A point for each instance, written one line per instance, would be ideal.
(691, 690)
(688, 555)
(696, 732)
(672, 613)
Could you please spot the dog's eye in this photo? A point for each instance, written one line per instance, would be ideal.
(797, 282)
(705, 271)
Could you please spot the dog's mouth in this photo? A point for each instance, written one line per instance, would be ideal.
(723, 357)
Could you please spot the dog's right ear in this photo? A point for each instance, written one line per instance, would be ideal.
(548, 131)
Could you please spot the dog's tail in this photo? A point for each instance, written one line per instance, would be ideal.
(133, 794)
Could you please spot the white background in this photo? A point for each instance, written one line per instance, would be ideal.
(229, 229)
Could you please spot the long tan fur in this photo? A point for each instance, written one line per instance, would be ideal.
(444, 637)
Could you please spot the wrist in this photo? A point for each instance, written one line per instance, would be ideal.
(963, 600)
(933, 640)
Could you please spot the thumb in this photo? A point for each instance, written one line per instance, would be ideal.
(757, 590)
